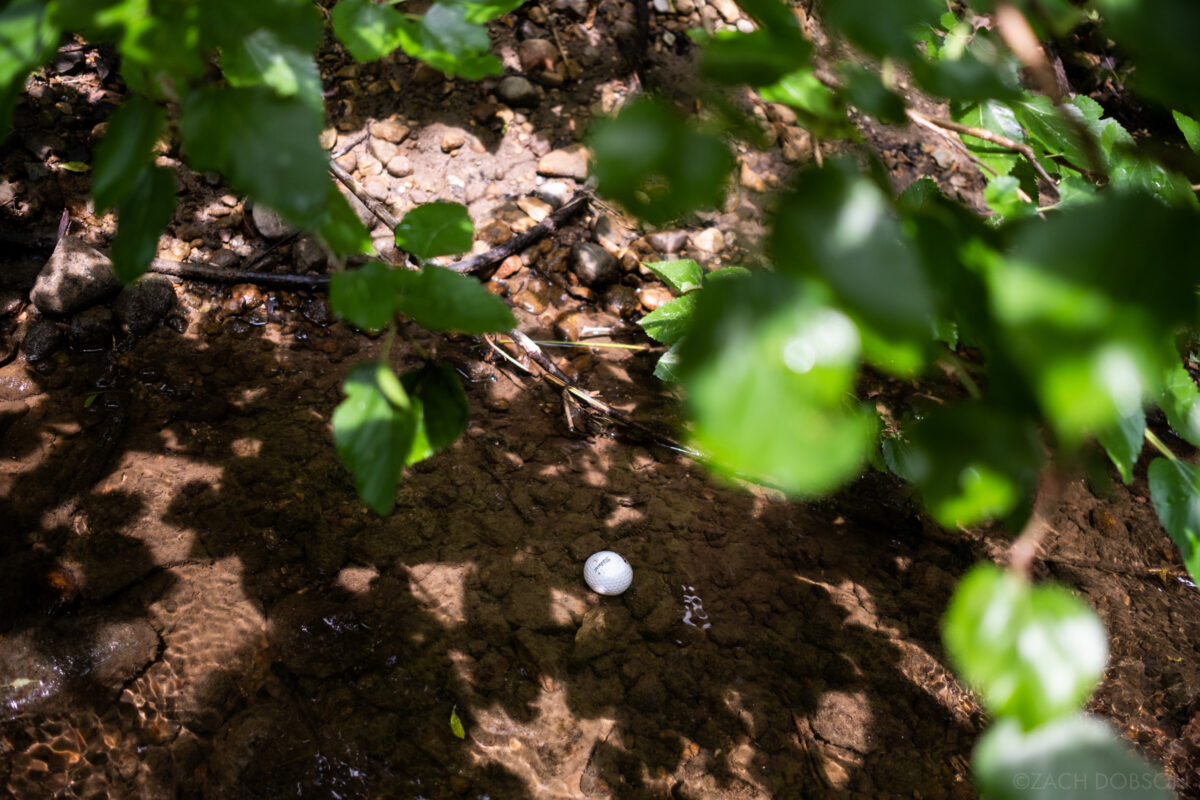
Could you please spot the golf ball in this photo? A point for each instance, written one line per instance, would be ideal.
(607, 573)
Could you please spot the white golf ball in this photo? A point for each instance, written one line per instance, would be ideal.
(607, 573)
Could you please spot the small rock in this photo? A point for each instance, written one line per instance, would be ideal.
(518, 91)
(494, 232)
(390, 130)
(92, 329)
(425, 75)
(653, 296)
(377, 187)
(575, 325)
(685, 7)
(42, 338)
(668, 241)
(535, 208)
(622, 300)
(555, 193)
(317, 311)
(142, 305)
(567, 162)
(751, 179)
(328, 138)
(483, 111)
(310, 254)
(509, 267)
(452, 140)
(537, 54)
(594, 265)
(268, 223)
(745, 26)
(10, 303)
(400, 166)
(709, 240)
(611, 233)
(534, 297)
(797, 145)
(243, 297)
(382, 149)
(602, 629)
(76, 276)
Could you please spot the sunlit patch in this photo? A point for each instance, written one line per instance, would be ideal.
(566, 609)
(830, 338)
(861, 212)
(246, 447)
(623, 515)
(441, 589)
(357, 580)
(1120, 376)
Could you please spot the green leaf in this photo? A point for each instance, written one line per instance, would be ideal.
(341, 228)
(127, 147)
(971, 462)
(1003, 197)
(757, 58)
(1159, 37)
(840, 226)
(435, 229)
(145, 211)
(441, 405)
(76, 166)
(27, 38)
(262, 59)
(864, 90)
(816, 106)
(769, 374)
(487, 11)
(1123, 441)
(1175, 490)
(667, 368)
(965, 79)
(994, 116)
(456, 726)
(1180, 401)
(441, 300)
(373, 430)
(264, 144)
(365, 296)
(669, 322)
(682, 276)
(1190, 129)
(657, 164)
(1077, 756)
(369, 30)
(1048, 126)
(882, 28)
(448, 41)
(1033, 652)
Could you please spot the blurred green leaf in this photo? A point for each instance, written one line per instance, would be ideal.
(435, 229)
(682, 276)
(341, 228)
(1002, 195)
(1123, 441)
(1034, 652)
(127, 147)
(667, 368)
(1190, 129)
(143, 213)
(757, 58)
(1180, 401)
(365, 296)
(1159, 36)
(1076, 756)
(448, 41)
(262, 59)
(475, 11)
(965, 79)
(882, 29)
(441, 300)
(864, 90)
(657, 164)
(1175, 490)
(373, 430)
(769, 375)
(817, 106)
(27, 38)
(226, 130)
(840, 225)
(971, 463)
(369, 30)
(441, 409)
(669, 322)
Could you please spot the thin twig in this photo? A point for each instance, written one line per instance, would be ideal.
(521, 241)
(987, 136)
(356, 189)
(353, 142)
(1024, 549)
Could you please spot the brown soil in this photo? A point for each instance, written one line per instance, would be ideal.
(197, 605)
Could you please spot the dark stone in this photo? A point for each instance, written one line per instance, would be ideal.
(594, 265)
(41, 339)
(141, 306)
(92, 328)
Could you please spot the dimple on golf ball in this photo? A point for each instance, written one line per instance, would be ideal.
(607, 573)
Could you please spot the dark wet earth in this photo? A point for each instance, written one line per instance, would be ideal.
(196, 605)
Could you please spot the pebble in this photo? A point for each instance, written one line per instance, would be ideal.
(390, 130)
(382, 149)
(654, 296)
(685, 7)
(534, 297)
(243, 297)
(611, 233)
(594, 265)
(575, 325)
(518, 91)
(42, 338)
(452, 140)
(709, 240)
(509, 267)
(400, 166)
(537, 54)
(494, 232)
(536, 208)
(268, 223)
(567, 162)
(745, 26)
(310, 254)
(555, 193)
(377, 186)
(142, 305)
(727, 9)
(751, 179)
(668, 241)
(10, 303)
(92, 328)
(76, 276)
(622, 300)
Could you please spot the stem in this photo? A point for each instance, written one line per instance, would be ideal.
(1158, 445)
(388, 338)
(1024, 549)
